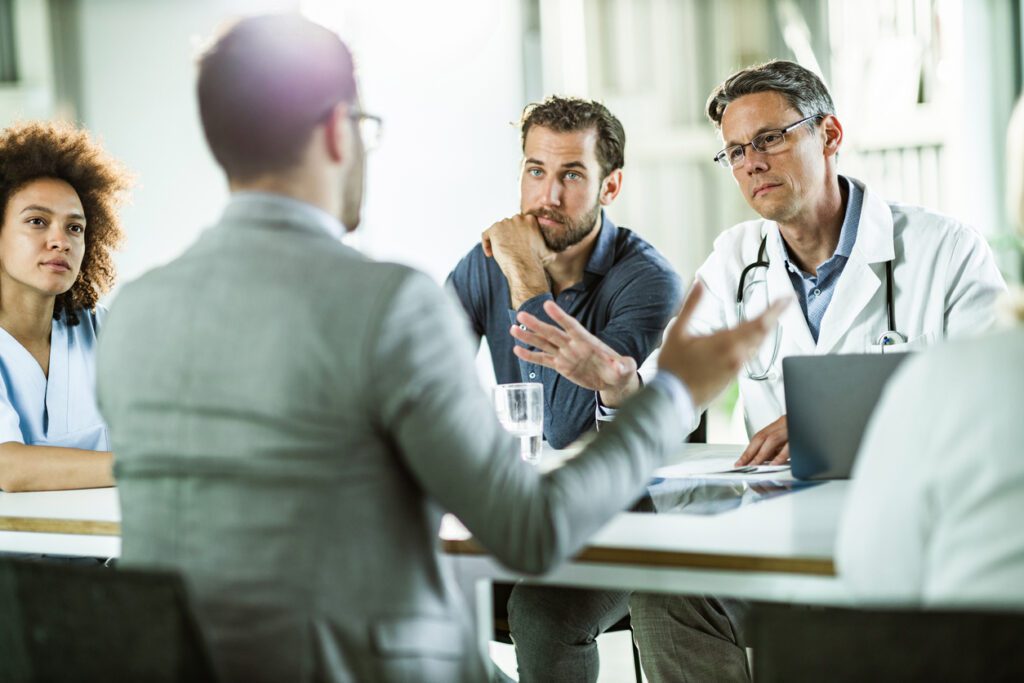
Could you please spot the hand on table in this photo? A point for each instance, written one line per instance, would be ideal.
(770, 446)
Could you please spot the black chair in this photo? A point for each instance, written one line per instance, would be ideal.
(61, 622)
(840, 645)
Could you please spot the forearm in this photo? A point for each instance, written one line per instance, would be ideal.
(526, 280)
(51, 468)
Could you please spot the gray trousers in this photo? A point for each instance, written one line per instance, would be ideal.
(554, 630)
(689, 639)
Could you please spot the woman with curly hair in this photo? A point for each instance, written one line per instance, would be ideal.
(59, 192)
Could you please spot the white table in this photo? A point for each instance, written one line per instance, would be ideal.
(779, 549)
(84, 523)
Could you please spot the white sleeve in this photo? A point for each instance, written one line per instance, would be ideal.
(10, 421)
(973, 286)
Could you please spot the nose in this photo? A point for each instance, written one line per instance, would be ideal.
(57, 239)
(553, 193)
(753, 161)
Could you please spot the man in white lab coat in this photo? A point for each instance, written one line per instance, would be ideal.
(870, 276)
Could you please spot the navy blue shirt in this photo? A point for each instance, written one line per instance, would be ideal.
(628, 294)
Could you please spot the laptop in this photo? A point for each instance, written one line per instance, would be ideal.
(829, 400)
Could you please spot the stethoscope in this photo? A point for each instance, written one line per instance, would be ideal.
(887, 338)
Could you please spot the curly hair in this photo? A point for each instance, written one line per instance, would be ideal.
(51, 150)
(571, 114)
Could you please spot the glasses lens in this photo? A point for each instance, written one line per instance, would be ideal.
(766, 141)
(369, 131)
(730, 156)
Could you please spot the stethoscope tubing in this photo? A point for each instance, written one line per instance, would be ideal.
(887, 338)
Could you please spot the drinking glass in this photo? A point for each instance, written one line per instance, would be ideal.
(520, 409)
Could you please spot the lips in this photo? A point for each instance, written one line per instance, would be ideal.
(548, 218)
(58, 265)
(761, 189)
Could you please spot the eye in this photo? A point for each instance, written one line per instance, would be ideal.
(76, 228)
(36, 221)
(770, 138)
(534, 172)
(573, 175)
(735, 153)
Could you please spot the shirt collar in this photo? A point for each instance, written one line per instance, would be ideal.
(272, 206)
(848, 231)
(602, 258)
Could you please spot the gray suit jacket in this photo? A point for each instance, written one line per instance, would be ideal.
(290, 420)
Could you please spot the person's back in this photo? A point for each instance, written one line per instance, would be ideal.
(237, 478)
(932, 517)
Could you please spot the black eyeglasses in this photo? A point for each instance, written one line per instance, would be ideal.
(733, 155)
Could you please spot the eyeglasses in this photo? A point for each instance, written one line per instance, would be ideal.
(370, 128)
(733, 156)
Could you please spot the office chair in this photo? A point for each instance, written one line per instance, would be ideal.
(840, 645)
(66, 622)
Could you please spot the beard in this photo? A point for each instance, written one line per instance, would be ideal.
(571, 233)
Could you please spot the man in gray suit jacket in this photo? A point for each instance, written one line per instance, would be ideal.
(291, 419)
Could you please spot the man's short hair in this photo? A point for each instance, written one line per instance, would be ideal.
(801, 87)
(264, 86)
(571, 114)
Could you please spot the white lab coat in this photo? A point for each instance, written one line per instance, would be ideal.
(945, 282)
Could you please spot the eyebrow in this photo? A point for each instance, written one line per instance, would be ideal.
(762, 129)
(43, 209)
(571, 164)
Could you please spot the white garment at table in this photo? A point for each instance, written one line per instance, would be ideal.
(945, 282)
(934, 512)
(58, 409)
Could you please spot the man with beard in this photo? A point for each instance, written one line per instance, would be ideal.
(562, 247)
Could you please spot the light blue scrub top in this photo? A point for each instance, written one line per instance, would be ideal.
(61, 410)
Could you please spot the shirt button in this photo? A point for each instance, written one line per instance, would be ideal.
(817, 292)
(533, 375)
(522, 326)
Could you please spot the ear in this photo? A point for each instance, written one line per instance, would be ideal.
(610, 187)
(832, 132)
(335, 131)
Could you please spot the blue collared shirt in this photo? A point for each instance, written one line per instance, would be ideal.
(627, 295)
(815, 291)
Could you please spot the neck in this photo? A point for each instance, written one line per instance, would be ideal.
(812, 237)
(300, 185)
(27, 316)
(566, 269)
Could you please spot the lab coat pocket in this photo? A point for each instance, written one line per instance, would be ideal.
(915, 344)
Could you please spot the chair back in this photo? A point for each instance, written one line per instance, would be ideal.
(832, 644)
(68, 622)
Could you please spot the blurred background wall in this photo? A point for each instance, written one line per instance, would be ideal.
(923, 87)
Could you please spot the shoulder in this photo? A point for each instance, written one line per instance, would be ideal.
(911, 221)
(635, 254)
(735, 247)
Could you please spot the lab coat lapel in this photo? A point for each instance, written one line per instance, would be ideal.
(796, 335)
(858, 282)
(57, 393)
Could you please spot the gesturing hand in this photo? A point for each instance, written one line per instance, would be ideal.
(574, 353)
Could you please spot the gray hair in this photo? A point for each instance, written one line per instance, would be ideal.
(801, 87)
